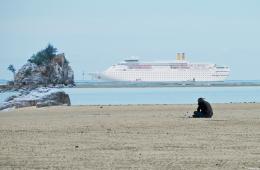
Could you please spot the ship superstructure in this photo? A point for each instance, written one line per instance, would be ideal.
(173, 71)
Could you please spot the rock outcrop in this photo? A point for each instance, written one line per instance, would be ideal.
(57, 71)
(54, 99)
(39, 97)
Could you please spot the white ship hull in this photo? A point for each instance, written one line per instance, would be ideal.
(179, 70)
(153, 76)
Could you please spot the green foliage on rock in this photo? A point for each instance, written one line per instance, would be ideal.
(44, 56)
(11, 68)
(28, 72)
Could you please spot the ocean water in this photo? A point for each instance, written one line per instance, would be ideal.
(165, 95)
(158, 95)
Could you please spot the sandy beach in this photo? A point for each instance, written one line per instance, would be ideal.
(130, 137)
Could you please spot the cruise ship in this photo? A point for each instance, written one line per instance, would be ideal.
(179, 70)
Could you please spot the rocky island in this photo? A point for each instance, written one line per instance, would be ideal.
(45, 68)
(37, 81)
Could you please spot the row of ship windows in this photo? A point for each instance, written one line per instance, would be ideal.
(161, 74)
(219, 75)
(171, 67)
(164, 76)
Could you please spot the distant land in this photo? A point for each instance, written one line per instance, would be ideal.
(111, 84)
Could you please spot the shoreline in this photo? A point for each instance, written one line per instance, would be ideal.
(233, 105)
(164, 84)
(6, 88)
(136, 105)
(130, 137)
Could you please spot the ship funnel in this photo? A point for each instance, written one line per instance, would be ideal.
(180, 56)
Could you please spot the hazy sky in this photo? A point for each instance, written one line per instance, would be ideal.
(96, 34)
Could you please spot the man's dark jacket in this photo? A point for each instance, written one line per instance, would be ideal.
(205, 108)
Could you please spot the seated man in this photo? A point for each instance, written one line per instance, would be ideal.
(204, 109)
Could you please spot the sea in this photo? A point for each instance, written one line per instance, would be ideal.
(121, 95)
(162, 95)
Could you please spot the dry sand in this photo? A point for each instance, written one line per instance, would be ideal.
(130, 137)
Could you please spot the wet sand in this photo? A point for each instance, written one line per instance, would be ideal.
(130, 137)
